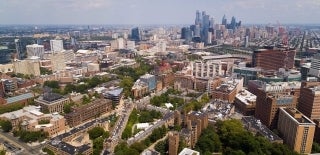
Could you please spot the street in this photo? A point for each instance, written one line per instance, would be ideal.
(26, 149)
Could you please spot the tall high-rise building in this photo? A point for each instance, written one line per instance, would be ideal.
(309, 101)
(273, 59)
(224, 20)
(198, 18)
(315, 66)
(270, 97)
(56, 46)
(21, 51)
(186, 34)
(6, 55)
(136, 34)
(58, 62)
(27, 67)
(297, 130)
(233, 23)
(35, 50)
(173, 143)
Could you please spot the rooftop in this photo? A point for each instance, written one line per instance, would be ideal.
(187, 151)
(246, 97)
(19, 98)
(297, 116)
(146, 76)
(58, 143)
(252, 123)
(139, 84)
(115, 92)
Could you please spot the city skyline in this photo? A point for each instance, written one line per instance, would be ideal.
(156, 12)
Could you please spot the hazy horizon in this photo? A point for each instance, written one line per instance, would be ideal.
(152, 12)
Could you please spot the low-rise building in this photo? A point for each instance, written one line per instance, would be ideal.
(87, 112)
(62, 144)
(254, 125)
(51, 102)
(227, 89)
(31, 119)
(139, 89)
(245, 102)
(114, 94)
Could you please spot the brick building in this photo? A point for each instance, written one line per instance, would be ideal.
(297, 130)
(273, 58)
(87, 112)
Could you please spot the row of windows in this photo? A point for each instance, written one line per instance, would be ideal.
(304, 139)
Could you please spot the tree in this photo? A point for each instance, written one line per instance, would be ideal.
(44, 71)
(48, 151)
(162, 147)
(315, 147)
(95, 132)
(85, 99)
(10, 107)
(97, 145)
(3, 152)
(126, 83)
(69, 88)
(229, 137)
(139, 146)
(52, 84)
(123, 149)
(67, 108)
(209, 141)
(32, 136)
(6, 125)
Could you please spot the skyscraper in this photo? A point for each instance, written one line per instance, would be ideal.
(198, 18)
(224, 20)
(21, 51)
(56, 46)
(35, 50)
(136, 34)
(233, 23)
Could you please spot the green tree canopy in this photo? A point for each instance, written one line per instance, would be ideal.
(95, 132)
(52, 84)
(6, 125)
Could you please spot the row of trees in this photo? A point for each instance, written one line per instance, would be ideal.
(30, 136)
(97, 135)
(136, 116)
(6, 125)
(138, 147)
(159, 101)
(10, 107)
(197, 105)
(229, 137)
(133, 118)
(88, 83)
(149, 116)
(129, 75)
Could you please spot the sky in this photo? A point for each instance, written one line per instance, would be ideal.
(137, 12)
